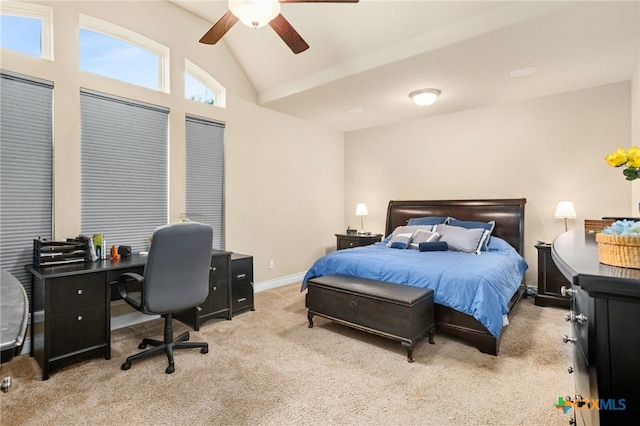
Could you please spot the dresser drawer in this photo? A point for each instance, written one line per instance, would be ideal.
(76, 292)
(77, 330)
(582, 316)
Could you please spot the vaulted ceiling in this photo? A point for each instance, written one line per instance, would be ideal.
(369, 56)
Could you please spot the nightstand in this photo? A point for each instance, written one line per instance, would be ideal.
(345, 241)
(550, 280)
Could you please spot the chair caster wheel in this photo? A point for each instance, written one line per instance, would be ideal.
(204, 350)
(170, 369)
(142, 346)
(126, 366)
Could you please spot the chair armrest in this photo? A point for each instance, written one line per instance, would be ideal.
(122, 289)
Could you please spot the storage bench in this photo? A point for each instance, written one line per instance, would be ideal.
(399, 312)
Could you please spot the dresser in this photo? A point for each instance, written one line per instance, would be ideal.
(604, 337)
(550, 280)
(241, 283)
(345, 241)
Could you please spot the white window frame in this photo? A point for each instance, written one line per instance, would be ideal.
(218, 90)
(111, 30)
(34, 11)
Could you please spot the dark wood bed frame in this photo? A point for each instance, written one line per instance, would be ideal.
(509, 217)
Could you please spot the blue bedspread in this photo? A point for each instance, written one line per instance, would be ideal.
(478, 285)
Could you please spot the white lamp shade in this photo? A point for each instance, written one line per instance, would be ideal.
(255, 13)
(361, 209)
(565, 210)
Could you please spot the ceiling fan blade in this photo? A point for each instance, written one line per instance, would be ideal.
(318, 1)
(288, 34)
(219, 29)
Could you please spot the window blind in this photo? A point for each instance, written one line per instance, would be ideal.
(26, 158)
(205, 175)
(124, 168)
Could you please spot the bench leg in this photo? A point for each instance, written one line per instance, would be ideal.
(310, 318)
(409, 348)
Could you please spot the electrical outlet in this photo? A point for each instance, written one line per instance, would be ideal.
(272, 264)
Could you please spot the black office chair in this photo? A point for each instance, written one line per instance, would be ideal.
(176, 277)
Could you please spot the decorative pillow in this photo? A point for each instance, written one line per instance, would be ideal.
(429, 220)
(400, 240)
(462, 239)
(421, 236)
(406, 230)
(434, 246)
(472, 224)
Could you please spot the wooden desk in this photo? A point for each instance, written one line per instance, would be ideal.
(71, 307)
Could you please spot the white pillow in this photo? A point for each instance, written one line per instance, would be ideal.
(421, 236)
(462, 239)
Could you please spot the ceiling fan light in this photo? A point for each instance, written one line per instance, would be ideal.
(424, 97)
(255, 13)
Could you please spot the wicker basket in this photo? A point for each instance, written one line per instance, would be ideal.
(619, 250)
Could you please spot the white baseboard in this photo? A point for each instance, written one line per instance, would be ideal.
(278, 282)
(131, 318)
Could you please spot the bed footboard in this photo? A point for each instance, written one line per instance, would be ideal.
(461, 325)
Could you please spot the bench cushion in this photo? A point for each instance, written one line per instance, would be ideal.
(394, 293)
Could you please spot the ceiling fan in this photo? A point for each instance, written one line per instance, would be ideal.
(258, 13)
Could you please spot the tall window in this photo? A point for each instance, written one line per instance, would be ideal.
(121, 54)
(201, 87)
(26, 28)
(124, 168)
(26, 153)
(205, 174)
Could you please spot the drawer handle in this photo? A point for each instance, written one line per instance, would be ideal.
(581, 319)
(567, 339)
(241, 300)
(241, 276)
(79, 291)
(213, 268)
(567, 291)
(214, 288)
(79, 318)
(570, 370)
(353, 305)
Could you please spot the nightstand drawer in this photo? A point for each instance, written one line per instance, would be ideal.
(346, 241)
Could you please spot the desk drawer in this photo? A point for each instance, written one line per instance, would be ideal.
(75, 292)
(77, 330)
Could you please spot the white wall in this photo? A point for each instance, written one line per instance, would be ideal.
(282, 173)
(635, 130)
(546, 150)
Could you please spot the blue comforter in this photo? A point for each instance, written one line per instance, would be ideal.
(478, 285)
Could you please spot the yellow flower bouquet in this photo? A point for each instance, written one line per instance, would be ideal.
(629, 158)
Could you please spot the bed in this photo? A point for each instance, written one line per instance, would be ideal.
(474, 293)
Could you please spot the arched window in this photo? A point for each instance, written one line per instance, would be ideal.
(118, 53)
(201, 87)
(26, 28)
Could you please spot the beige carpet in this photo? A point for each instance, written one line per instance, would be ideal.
(268, 368)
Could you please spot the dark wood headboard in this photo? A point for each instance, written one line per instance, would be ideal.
(507, 213)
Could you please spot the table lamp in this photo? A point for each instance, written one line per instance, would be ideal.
(361, 210)
(565, 210)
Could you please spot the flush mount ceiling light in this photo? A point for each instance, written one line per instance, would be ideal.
(255, 13)
(424, 97)
(523, 72)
